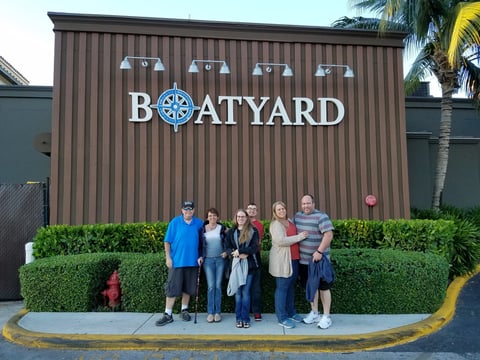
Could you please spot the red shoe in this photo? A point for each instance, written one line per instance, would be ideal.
(258, 317)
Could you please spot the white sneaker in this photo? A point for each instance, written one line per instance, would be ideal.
(311, 318)
(325, 322)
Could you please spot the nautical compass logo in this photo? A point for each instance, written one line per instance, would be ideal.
(175, 107)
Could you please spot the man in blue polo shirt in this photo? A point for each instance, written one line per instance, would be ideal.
(183, 260)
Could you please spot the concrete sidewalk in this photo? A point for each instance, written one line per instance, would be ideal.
(137, 331)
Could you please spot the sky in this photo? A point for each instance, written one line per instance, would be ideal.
(27, 38)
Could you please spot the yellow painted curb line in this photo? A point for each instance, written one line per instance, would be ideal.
(266, 343)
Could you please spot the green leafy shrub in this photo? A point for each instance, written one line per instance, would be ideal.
(367, 281)
(355, 233)
(267, 239)
(419, 235)
(463, 252)
(69, 283)
(425, 235)
(142, 279)
(82, 239)
(389, 281)
(473, 215)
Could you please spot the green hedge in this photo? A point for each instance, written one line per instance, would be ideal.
(82, 239)
(142, 282)
(388, 281)
(66, 283)
(456, 239)
(367, 281)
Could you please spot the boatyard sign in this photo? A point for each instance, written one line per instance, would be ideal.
(176, 107)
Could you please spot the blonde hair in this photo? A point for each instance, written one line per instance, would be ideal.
(275, 204)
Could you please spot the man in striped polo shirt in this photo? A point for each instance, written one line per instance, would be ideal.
(316, 245)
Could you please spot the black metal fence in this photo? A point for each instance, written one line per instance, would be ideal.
(23, 209)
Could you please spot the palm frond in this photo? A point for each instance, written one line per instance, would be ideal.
(469, 76)
(420, 69)
(356, 23)
(364, 23)
(427, 16)
(374, 6)
(464, 31)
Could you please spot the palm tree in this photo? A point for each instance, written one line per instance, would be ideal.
(447, 35)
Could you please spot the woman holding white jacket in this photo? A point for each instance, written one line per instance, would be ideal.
(283, 264)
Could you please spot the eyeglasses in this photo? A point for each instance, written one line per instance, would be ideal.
(188, 208)
(251, 208)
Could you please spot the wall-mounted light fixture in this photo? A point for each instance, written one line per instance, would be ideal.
(257, 71)
(125, 64)
(193, 68)
(326, 69)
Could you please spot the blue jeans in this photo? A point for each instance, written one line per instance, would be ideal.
(256, 291)
(285, 294)
(214, 271)
(242, 301)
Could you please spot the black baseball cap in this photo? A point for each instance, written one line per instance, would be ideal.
(188, 204)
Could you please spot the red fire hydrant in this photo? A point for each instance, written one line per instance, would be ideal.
(113, 290)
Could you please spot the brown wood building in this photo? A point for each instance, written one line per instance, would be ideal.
(248, 138)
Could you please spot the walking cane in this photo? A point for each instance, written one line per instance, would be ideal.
(196, 294)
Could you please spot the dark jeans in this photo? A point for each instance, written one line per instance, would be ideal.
(285, 294)
(256, 291)
(242, 301)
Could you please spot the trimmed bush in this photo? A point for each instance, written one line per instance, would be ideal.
(99, 238)
(455, 238)
(356, 233)
(142, 279)
(388, 281)
(367, 281)
(66, 283)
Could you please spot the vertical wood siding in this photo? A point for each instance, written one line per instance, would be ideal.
(106, 169)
